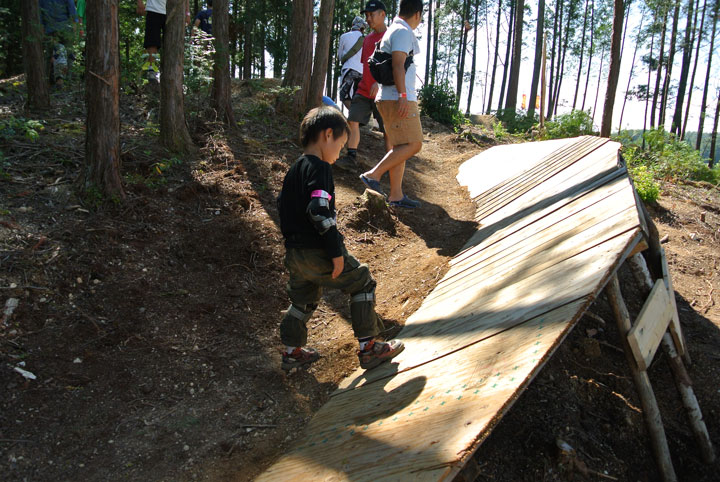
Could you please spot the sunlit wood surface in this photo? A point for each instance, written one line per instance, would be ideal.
(549, 237)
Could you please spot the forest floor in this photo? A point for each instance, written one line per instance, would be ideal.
(150, 325)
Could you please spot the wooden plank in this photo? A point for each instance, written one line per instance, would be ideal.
(544, 239)
(571, 155)
(675, 329)
(645, 335)
(420, 424)
(541, 219)
(555, 162)
(431, 333)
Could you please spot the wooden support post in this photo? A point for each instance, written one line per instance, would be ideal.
(682, 379)
(651, 411)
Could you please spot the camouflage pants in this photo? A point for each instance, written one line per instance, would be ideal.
(310, 272)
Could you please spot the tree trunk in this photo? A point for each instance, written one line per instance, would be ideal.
(463, 49)
(436, 31)
(658, 76)
(632, 68)
(221, 66)
(676, 125)
(703, 104)
(711, 164)
(428, 50)
(649, 77)
(471, 88)
(697, 56)
(322, 51)
(558, 59)
(511, 102)
(618, 17)
(537, 64)
(590, 52)
(248, 39)
(561, 70)
(38, 90)
(174, 133)
(582, 52)
(300, 56)
(669, 65)
(495, 59)
(506, 66)
(597, 89)
(555, 43)
(102, 99)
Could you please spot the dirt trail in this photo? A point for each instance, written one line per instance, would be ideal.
(152, 325)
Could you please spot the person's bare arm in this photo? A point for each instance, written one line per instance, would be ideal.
(140, 7)
(338, 266)
(398, 67)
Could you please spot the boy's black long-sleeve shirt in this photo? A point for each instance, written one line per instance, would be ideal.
(308, 174)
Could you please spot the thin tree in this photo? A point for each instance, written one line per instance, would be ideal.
(514, 79)
(495, 59)
(684, 72)
(221, 65)
(561, 67)
(38, 91)
(506, 66)
(471, 88)
(322, 51)
(300, 56)
(669, 64)
(464, 30)
(582, 52)
(428, 49)
(658, 75)
(436, 32)
(638, 40)
(695, 63)
(650, 69)
(102, 100)
(537, 64)
(713, 141)
(618, 16)
(174, 133)
(555, 44)
(591, 51)
(599, 81)
(703, 104)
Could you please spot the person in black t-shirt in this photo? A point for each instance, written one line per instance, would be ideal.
(203, 20)
(315, 256)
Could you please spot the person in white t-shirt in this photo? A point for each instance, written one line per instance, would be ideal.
(155, 14)
(398, 105)
(349, 52)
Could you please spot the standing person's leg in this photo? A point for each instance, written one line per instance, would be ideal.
(360, 111)
(154, 28)
(405, 135)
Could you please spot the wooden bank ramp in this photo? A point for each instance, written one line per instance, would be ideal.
(556, 220)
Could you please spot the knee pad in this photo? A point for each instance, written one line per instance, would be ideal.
(302, 313)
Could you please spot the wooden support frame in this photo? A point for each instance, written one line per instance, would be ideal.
(645, 335)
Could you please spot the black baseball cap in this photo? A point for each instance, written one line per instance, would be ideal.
(374, 5)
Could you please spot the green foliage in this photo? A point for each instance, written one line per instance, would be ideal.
(439, 103)
(198, 63)
(515, 121)
(666, 157)
(576, 123)
(499, 131)
(10, 39)
(647, 188)
(18, 126)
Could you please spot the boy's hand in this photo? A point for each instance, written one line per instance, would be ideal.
(140, 8)
(338, 265)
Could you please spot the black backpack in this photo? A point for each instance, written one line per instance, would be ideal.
(380, 64)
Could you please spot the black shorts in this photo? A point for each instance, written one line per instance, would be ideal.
(360, 109)
(154, 29)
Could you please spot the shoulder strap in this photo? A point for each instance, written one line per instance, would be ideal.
(355, 49)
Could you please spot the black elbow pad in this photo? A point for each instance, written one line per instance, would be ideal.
(318, 211)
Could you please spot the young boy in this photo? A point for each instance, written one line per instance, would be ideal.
(315, 253)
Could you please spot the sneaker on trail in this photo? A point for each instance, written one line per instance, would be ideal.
(379, 351)
(299, 357)
(346, 163)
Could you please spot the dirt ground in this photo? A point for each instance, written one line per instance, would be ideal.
(150, 325)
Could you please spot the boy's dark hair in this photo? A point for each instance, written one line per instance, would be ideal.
(408, 8)
(209, 3)
(318, 120)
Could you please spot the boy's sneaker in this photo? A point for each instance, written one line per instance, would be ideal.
(379, 351)
(299, 357)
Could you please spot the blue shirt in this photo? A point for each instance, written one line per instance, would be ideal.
(57, 15)
(205, 20)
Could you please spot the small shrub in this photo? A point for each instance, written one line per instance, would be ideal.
(440, 103)
(576, 123)
(499, 131)
(18, 126)
(516, 121)
(648, 189)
